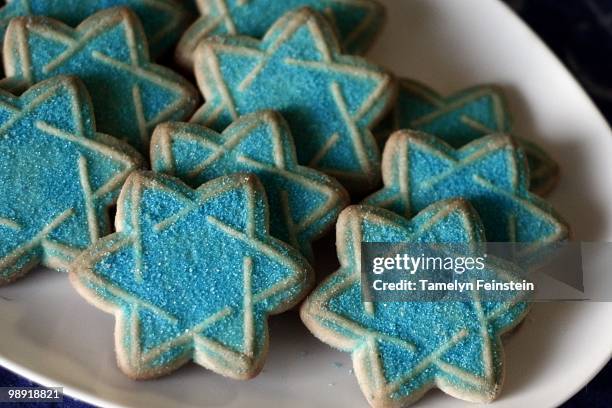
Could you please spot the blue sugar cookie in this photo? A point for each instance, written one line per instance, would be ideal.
(466, 116)
(544, 171)
(108, 52)
(330, 100)
(191, 274)
(357, 22)
(57, 176)
(400, 350)
(490, 172)
(304, 203)
(163, 20)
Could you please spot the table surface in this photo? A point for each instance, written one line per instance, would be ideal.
(580, 33)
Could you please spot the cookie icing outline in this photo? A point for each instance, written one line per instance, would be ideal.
(278, 171)
(217, 19)
(160, 39)
(21, 62)
(397, 192)
(55, 252)
(544, 171)
(221, 97)
(210, 352)
(349, 335)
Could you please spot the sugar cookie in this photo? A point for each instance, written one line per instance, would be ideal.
(400, 350)
(304, 203)
(191, 275)
(57, 176)
(108, 52)
(330, 100)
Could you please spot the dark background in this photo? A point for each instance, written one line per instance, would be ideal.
(580, 33)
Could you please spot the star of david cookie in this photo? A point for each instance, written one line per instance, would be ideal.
(491, 172)
(191, 275)
(463, 117)
(400, 350)
(162, 20)
(304, 203)
(330, 100)
(57, 176)
(108, 52)
(357, 22)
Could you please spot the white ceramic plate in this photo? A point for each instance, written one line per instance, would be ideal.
(52, 336)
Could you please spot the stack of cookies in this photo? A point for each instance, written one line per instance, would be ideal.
(215, 204)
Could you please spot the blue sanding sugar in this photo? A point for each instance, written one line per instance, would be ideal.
(162, 20)
(57, 176)
(330, 104)
(412, 339)
(304, 203)
(129, 93)
(195, 262)
(357, 22)
(490, 172)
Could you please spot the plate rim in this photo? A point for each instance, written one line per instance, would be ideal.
(573, 79)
